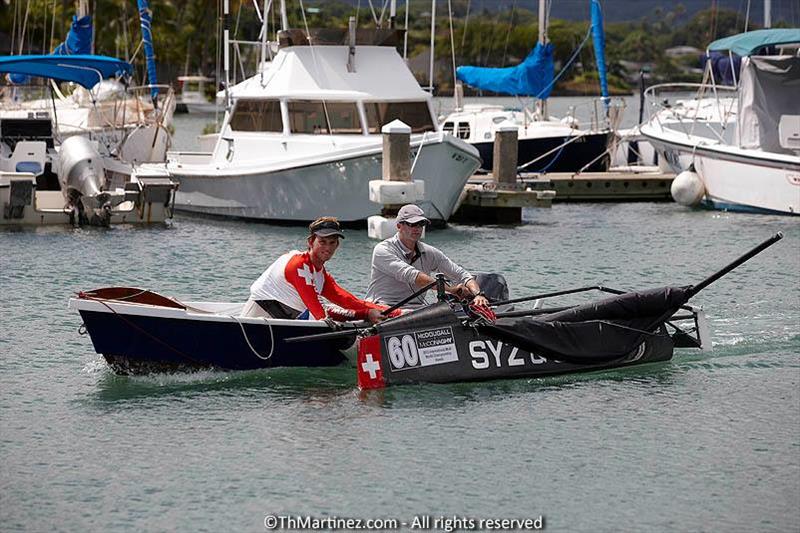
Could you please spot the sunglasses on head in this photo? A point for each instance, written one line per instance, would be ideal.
(421, 223)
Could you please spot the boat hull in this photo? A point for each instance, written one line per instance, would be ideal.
(334, 187)
(452, 353)
(587, 150)
(736, 179)
(142, 339)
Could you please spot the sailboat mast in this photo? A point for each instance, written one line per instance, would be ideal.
(433, 35)
(767, 13)
(263, 40)
(284, 17)
(226, 10)
(541, 104)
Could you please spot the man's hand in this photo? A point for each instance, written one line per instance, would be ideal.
(480, 300)
(375, 316)
(460, 291)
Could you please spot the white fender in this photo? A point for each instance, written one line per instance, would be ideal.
(687, 188)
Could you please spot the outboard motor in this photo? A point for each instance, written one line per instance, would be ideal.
(82, 176)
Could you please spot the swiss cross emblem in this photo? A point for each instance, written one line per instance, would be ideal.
(305, 273)
(315, 278)
(370, 375)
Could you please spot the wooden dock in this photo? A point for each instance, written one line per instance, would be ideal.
(617, 185)
(487, 201)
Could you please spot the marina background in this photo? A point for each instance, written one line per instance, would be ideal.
(705, 442)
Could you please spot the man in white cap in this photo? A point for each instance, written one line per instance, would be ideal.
(401, 265)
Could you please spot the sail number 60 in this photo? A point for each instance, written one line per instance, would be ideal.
(402, 351)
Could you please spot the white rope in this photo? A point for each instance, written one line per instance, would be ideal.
(247, 340)
(416, 156)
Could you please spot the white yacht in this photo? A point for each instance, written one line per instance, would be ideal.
(737, 148)
(193, 95)
(543, 145)
(302, 138)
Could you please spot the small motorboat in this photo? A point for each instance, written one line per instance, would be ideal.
(450, 342)
(138, 331)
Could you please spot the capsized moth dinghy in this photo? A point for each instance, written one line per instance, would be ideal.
(444, 343)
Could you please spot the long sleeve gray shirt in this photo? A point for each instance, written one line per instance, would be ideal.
(393, 272)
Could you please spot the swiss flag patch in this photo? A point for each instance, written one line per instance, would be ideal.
(370, 374)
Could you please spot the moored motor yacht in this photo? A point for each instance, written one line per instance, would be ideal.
(303, 136)
(737, 148)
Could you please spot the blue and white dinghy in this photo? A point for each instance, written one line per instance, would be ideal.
(138, 331)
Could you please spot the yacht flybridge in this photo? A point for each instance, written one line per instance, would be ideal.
(302, 138)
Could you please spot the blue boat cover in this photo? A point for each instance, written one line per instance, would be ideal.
(86, 70)
(746, 44)
(79, 38)
(78, 41)
(532, 77)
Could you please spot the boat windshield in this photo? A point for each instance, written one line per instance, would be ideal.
(257, 115)
(307, 116)
(416, 114)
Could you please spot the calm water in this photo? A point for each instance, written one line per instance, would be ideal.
(706, 442)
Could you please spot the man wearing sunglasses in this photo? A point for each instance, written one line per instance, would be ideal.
(401, 265)
(291, 286)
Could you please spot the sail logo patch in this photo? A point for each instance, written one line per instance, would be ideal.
(423, 348)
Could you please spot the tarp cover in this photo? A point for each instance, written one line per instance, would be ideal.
(769, 88)
(78, 41)
(83, 69)
(745, 44)
(597, 332)
(726, 68)
(532, 77)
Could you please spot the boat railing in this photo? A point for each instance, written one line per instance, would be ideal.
(693, 109)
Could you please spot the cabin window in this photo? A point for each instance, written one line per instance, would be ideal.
(463, 130)
(257, 115)
(343, 118)
(310, 117)
(307, 117)
(448, 128)
(416, 114)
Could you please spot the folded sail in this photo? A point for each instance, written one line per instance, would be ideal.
(146, 20)
(79, 38)
(596, 332)
(78, 42)
(599, 39)
(532, 77)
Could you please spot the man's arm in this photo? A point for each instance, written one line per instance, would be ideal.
(350, 307)
(455, 272)
(304, 289)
